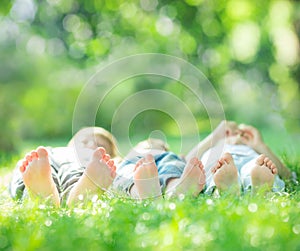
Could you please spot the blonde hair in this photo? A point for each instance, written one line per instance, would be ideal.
(96, 134)
(152, 143)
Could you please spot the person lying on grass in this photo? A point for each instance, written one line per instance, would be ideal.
(246, 162)
(56, 172)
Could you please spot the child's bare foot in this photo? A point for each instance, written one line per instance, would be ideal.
(192, 179)
(146, 178)
(226, 175)
(36, 172)
(263, 173)
(98, 176)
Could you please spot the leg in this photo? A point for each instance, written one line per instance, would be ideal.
(192, 179)
(226, 175)
(36, 173)
(263, 173)
(146, 182)
(97, 177)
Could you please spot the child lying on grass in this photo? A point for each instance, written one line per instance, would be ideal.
(56, 172)
(246, 162)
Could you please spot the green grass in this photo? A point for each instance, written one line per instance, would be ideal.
(113, 223)
(205, 223)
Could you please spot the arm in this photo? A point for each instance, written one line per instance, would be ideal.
(224, 129)
(251, 136)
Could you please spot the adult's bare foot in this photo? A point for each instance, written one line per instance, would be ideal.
(226, 175)
(191, 181)
(36, 172)
(97, 177)
(146, 178)
(263, 174)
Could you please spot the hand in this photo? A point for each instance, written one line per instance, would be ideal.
(251, 136)
(226, 129)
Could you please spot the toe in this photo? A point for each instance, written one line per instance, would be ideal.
(266, 160)
(22, 168)
(260, 160)
(149, 159)
(274, 169)
(28, 157)
(194, 161)
(106, 157)
(110, 163)
(201, 165)
(34, 155)
(227, 157)
(42, 152)
(102, 150)
(97, 155)
(138, 164)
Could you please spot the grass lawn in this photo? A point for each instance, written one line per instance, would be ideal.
(113, 223)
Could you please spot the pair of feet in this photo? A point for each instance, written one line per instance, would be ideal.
(226, 174)
(37, 177)
(147, 185)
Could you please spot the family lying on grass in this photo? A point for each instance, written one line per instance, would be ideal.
(233, 159)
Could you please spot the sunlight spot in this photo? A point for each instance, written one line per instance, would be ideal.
(146, 216)
(209, 202)
(80, 197)
(296, 229)
(36, 45)
(239, 210)
(55, 47)
(48, 223)
(164, 26)
(245, 40)
(172, 206)
(95, 198)
(211, 58)
(252, 207)
(269, 232)
(287, 46)
(196, 240)
(71, 23)
(23, 10)
(254, 241)
(283, 204)
(286, 219)
(149, 5)
(159, 207)
(181, 196)
(128, 10)
(168, 239)
(42, 206)
(239, 10)
(141, 228)
(103, 205)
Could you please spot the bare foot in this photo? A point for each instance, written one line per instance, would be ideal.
(192, 179)
(98, 176)
(263, 173)
(226, 175)
(146, 178)
(36, 172)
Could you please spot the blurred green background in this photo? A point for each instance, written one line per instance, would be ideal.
(248, 49)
